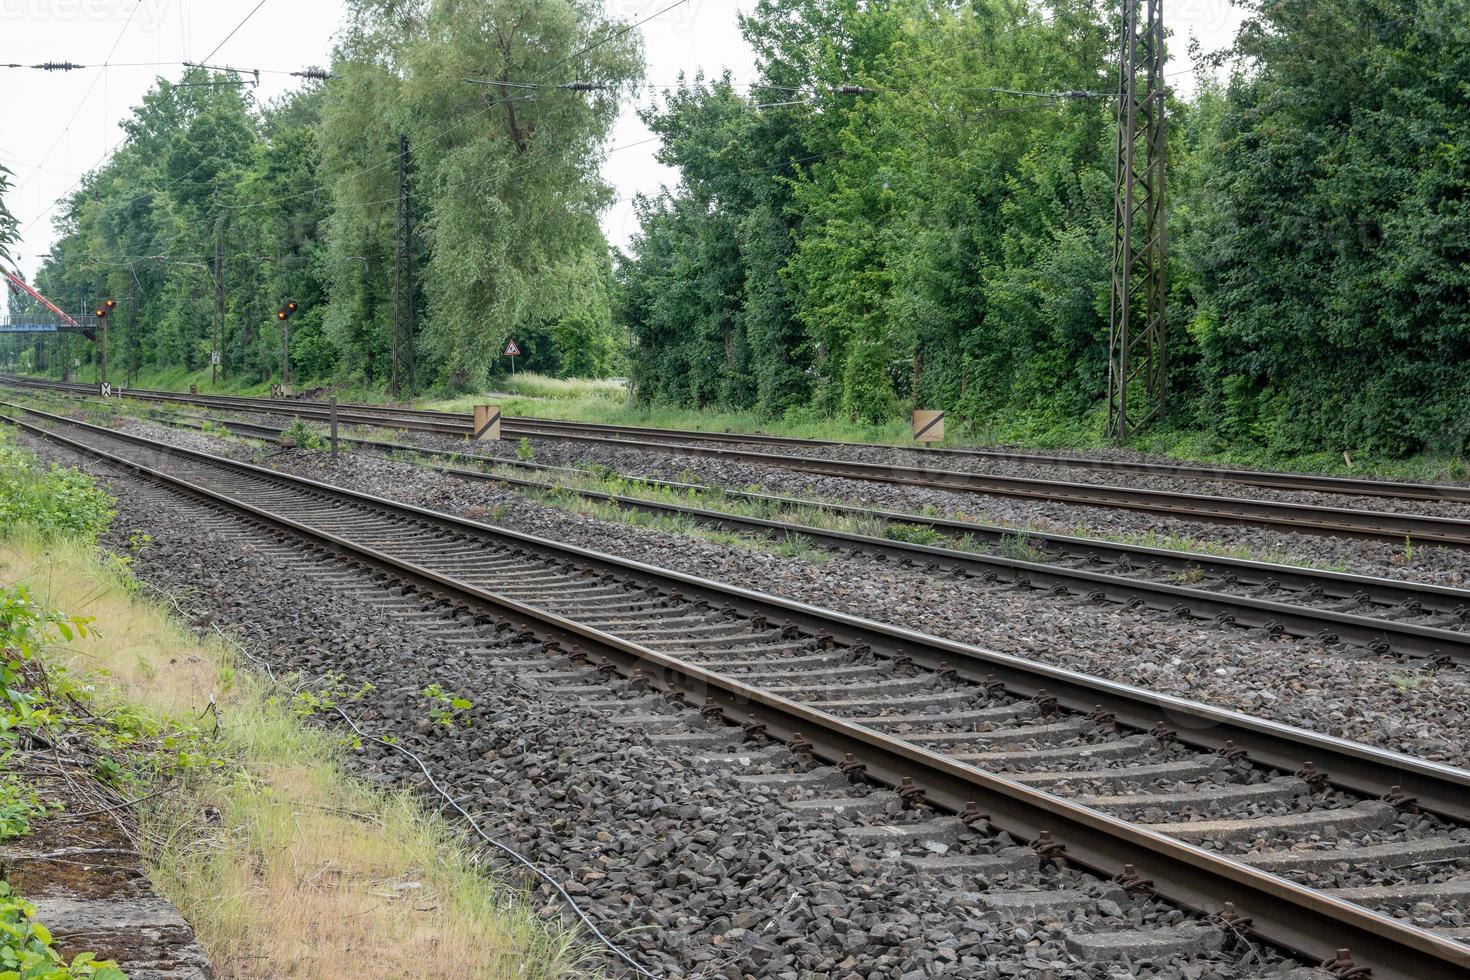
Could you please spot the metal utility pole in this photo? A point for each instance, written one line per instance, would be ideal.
(403, 298)
(216, 356)
(1136, 323)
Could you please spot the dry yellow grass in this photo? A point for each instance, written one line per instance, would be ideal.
(285, 866)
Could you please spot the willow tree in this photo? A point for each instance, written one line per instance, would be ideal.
(505, 160)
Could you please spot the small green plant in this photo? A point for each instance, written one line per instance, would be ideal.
(1405, 682)
(27, 953)
(19, 804)
(445, 708)
(524, 452)
(306, 703)
(600, 470)
(912, 533)
(801, 547)
(303, 435)
(1408, 549)
(1020, 547)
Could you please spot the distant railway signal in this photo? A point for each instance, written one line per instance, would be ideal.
(103, 309)
(284, 314)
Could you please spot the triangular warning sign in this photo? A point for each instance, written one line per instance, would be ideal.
(511, 350)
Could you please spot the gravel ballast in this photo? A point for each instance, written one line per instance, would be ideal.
(1355, 695)
(697, 873)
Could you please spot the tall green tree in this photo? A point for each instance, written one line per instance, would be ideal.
(1334, 277)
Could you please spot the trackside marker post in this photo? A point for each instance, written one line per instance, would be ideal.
(487, 423)
(334, 425)
(928, 425)
(511, 350)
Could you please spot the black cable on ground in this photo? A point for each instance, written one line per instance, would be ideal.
(504, 848)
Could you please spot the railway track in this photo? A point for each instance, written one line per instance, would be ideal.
(1281, 515)
(1108, 778)
(550, 427)
(1388, 617)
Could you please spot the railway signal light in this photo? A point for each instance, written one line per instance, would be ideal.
(106, 307)
(287, 311)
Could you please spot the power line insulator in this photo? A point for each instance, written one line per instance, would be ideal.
(584, 86)
(855, 90)
(57, 66)
(315, 74)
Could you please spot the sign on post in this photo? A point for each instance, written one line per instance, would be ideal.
(276, 390)
(106, 388)
(928, 425)
(487, 423)
(511, 350)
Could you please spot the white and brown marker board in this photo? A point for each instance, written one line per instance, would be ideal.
(487, 423)
(928, 425)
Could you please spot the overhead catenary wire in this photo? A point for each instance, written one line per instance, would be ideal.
(215, 50)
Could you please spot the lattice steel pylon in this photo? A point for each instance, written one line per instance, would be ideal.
(1136, 322)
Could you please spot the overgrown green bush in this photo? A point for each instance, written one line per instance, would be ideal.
(304, 435)
(52, 503)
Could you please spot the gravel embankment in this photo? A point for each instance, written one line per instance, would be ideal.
(1417, 562)
(696, 874)
(1221, 487)
(1430, 564)
(1366, 698)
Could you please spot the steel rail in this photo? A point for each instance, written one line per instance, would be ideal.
(1279, 911)
(1096, 552)
(1269, 479)
(1380, 635)
(1307, 518)
(1352, 766)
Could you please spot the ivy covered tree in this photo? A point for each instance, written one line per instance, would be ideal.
(896, 214)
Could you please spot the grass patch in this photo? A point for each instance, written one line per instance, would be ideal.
(305, 870)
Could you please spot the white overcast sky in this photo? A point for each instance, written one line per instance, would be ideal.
(56, 126)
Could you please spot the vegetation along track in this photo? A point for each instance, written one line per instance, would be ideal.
(1113, 779)
(1292, 516)
(1388, 617)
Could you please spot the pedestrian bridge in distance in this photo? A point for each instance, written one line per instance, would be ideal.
(47, 323)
